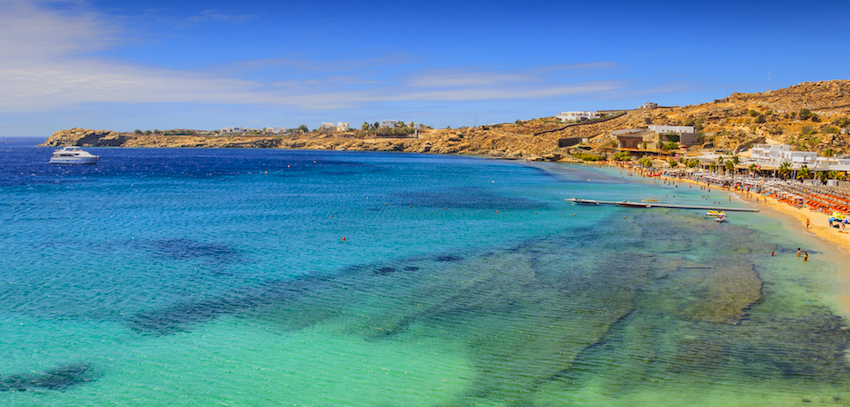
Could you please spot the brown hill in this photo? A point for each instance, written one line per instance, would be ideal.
(732, 123)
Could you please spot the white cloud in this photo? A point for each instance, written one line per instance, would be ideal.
(49, 63)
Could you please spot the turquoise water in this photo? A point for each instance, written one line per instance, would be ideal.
(258, 277)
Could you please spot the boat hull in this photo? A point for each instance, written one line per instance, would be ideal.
(634, 205)
(75, 160)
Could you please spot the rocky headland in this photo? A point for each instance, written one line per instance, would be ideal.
(813, 116)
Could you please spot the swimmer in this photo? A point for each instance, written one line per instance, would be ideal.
(806, 256)
(798, 252)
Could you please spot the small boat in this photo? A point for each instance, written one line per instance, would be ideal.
(629, 204)
(578, 201)
(720, 219)
(715, 213)
(73, 155)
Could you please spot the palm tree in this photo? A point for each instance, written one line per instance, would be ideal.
(785, 169)
(729, 165)
(736, 160)
(752, 169)
(804, 172)
(712, 166)
(833, 175)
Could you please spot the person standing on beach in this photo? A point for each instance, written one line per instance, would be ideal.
(807, 224)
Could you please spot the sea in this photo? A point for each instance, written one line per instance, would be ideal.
(264, 277)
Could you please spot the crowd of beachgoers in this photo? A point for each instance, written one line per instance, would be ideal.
(824, 210)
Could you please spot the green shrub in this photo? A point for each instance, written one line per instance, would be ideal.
(588, 157)
(673, 163)
(829, 130)
(672, 137)
(760, 119)
(179, 132)
(805, 114)
(807, 131)
(753, 113)
(622, 156)
(768, 112)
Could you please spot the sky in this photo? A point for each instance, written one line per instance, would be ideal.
(118, 65)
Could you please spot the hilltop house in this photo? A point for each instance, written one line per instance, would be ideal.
(577, 116)
(343, 126)
(326, 127)
(232, 130)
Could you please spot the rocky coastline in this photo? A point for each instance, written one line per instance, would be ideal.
(733, 123)
(462, 141)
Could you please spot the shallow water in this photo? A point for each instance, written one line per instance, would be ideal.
(187, 277)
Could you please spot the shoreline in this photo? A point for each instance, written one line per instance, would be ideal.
(795, 219)
(818, 221)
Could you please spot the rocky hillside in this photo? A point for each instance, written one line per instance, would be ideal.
(810, 116)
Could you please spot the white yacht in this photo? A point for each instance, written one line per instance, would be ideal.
(73, 155)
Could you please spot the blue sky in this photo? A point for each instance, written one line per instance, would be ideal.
(210, 64)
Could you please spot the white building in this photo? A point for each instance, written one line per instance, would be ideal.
(232, 130)
(776, 154)
(768, 151)
(800, 157)
(272, 130)
(661, 129)
(829, 161)
(577, 116)
(388, 123)
(343, 126)
(326, 127)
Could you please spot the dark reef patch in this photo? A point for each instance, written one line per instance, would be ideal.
(59, 378)
(187, 249)
(449, 258)
(180, 316)
(385, 270)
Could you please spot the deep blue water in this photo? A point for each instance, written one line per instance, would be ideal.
(260, 277)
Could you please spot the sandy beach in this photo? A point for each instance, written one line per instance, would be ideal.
(818, 227)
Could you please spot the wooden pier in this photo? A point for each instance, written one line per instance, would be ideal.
(629, 204)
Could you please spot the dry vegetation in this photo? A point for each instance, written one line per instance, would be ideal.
(733, 123)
